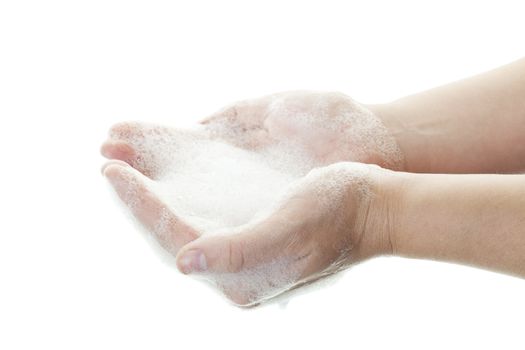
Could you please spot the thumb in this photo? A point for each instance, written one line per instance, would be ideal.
(240, 112)
(134, 190)
(232, 253)
(227, 113)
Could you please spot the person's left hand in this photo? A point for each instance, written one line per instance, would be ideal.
(329, 127)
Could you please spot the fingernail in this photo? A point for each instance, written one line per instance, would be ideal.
(192, 261)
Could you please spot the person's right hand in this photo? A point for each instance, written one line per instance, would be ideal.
(333, 217)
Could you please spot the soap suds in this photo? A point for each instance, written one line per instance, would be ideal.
(335, 127)
(256, 284)
(217, 188)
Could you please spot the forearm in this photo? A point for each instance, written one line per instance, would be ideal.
(476, 125)
(477, 220)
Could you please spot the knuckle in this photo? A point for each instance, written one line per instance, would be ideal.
(236, 257)
(230, 113)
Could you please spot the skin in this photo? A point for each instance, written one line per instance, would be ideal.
(329, 126)
(475, 125)
(317, 230)
(478, 220)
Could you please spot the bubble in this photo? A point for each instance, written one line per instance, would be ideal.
(214, 185)
(218, 188)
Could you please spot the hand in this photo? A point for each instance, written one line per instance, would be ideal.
(326, 221)
(330, 127)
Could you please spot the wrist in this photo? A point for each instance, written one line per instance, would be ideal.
(383, 212)
(396, 119)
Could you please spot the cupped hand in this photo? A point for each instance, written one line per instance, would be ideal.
(330, 126)
(325, 221)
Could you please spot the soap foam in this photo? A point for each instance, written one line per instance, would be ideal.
(217, 188)
(257, 284)
(214, 186)
(348, 130)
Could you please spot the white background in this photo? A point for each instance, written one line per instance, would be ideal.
(74, 271)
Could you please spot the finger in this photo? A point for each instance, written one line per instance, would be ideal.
(140, 145)
(241, 124)
(132, 188)
(132, 155)
(118, 150)
(132, 131)
(239, 265)
(241, 113)
(247, 266)
(232, 253)
(228, 113)
(113, 162)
